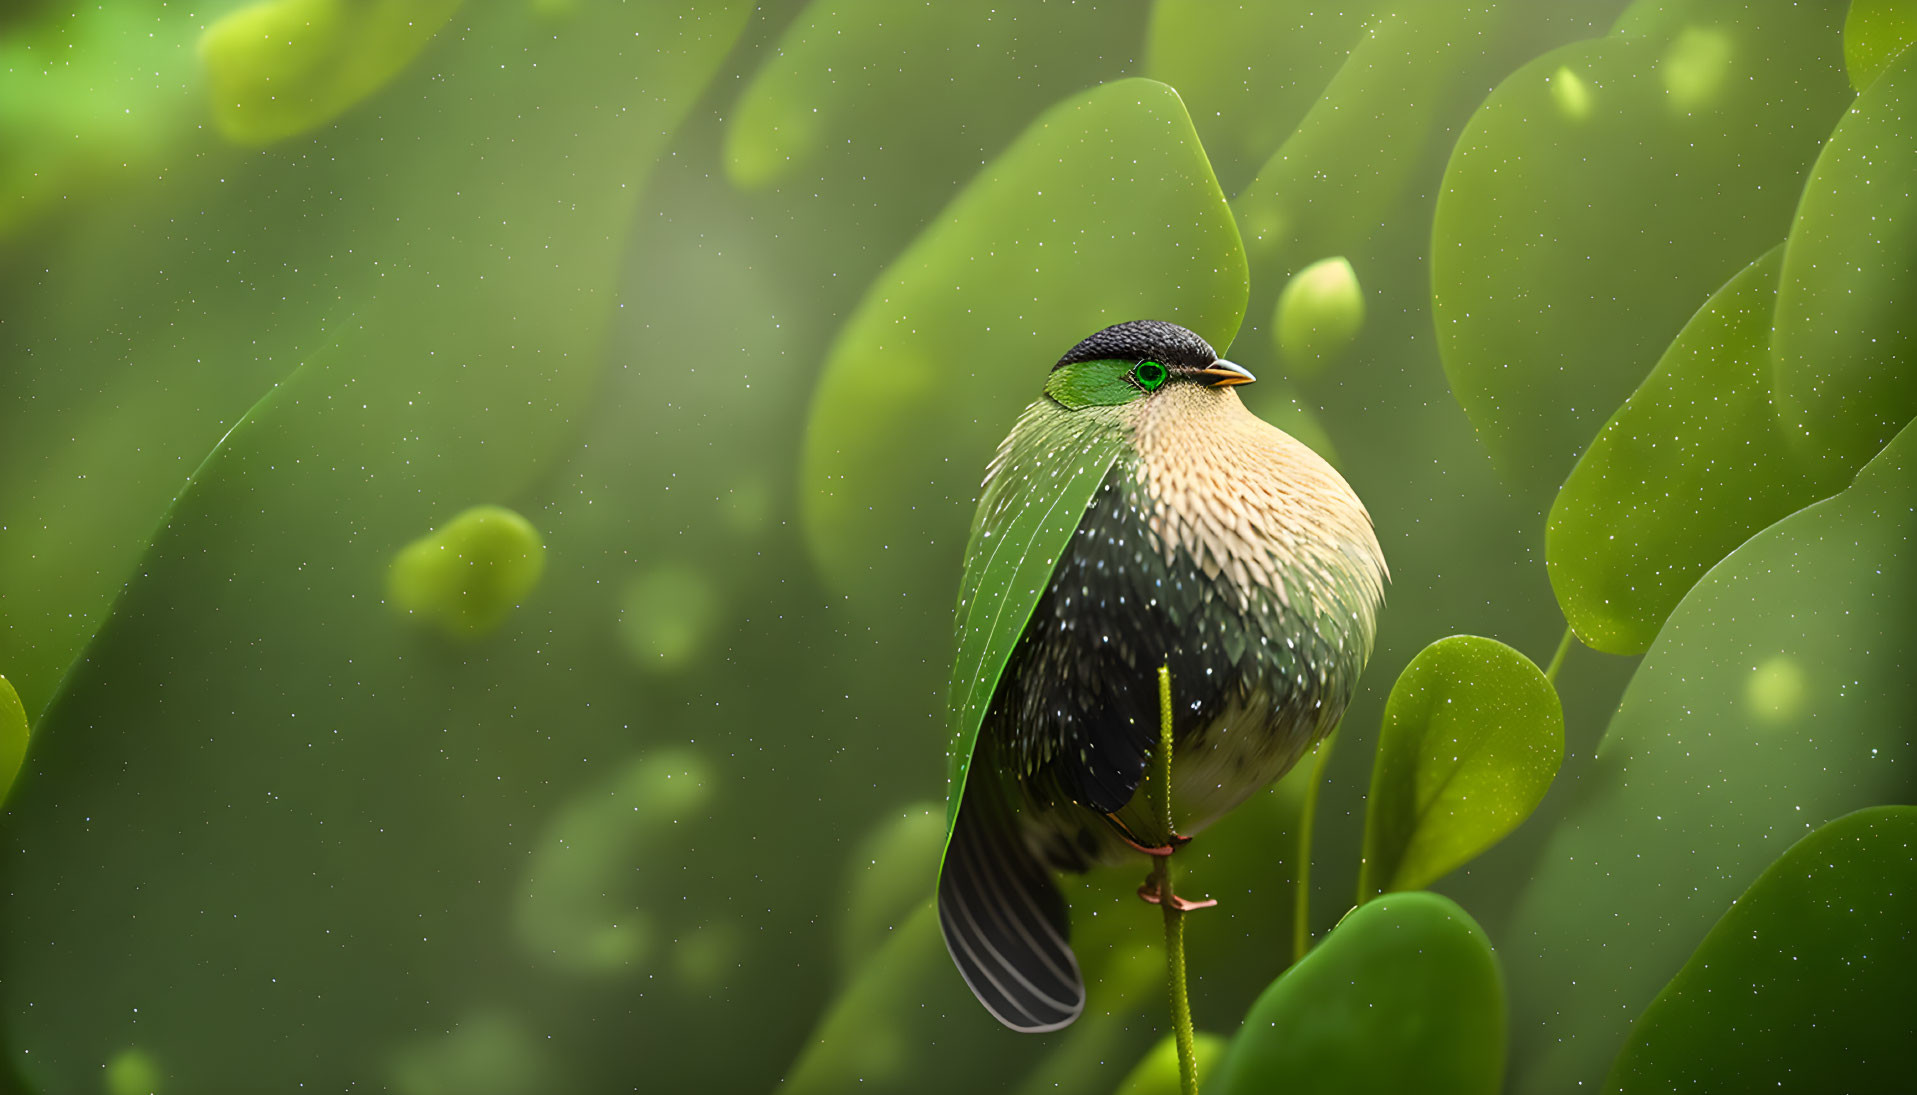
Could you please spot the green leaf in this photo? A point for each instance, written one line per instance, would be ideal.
(1347, 167)
(1319, 313)
(278, 68)
(1472, 737)
(958, 333)
(1874, 32)
(1775, 699)
(885, 880)
(1692, 464)
(1804, 985)
(1157, 1073)
(927, 115)
(1249, 72)
(1601, 193)
(1403, 995)
(254, 731)
(13, 736)
(907, 1022)
(1847, 301)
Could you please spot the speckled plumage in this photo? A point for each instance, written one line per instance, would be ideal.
(1215, 544)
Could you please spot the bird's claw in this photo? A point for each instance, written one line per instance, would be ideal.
(1148, 893)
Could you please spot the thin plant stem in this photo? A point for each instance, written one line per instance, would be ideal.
(1557, 660)
(1174, 919)
(1301, 901)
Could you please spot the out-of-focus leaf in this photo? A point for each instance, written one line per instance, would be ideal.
(1345, 169)
(907, 1022)
(1804, 985)
(1249, 72)
(90, 96)
(277, 68)
(1158, 1073)
(917, 98)
(466, 576)
(288, 761)
(956, 336)
(1473, 735)
(1776, 698)
(13, 735)
(1847, 299)
(1692, 464)
(887, 879)
(1319, 312)
(1601, 193)
(1128, 984)
(1874, 32)
(1403, 995)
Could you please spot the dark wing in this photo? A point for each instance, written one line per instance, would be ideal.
(1005, 922)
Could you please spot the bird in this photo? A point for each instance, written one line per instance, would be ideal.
(1137, 516)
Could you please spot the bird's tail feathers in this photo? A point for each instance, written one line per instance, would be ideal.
(1005, 922)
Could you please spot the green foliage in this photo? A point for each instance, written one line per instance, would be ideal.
(923, 379)
(1473, 735)
(1249, 72)
(1703, 117)
(13, 736)
(133, 1071)
(1847, 299)
(1319, 313)
(885, 880)
(1692, 464)
(467, 575)
(1352, 157)
(1157, 1072)
(1804, 985)
(1775, 698)
(278, 68)
(1404, 995)
(330, 750)
(1875, 31)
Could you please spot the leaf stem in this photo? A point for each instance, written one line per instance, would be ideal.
(1564, 647)
(1174, 919)
(1301, 902)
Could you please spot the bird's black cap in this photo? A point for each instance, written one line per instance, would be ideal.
(1143, 340)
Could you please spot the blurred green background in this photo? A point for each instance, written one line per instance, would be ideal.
(482, 487)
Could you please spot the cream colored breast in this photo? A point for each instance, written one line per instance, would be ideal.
(1251, 503)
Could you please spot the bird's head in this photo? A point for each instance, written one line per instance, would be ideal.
(1136, 361)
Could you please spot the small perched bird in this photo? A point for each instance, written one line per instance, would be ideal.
(1137, 516)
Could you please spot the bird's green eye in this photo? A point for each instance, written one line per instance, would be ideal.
(1150, 375)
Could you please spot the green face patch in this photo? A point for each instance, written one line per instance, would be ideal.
(1104, 383)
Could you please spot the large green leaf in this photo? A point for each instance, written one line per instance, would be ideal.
(1776, 698)
(857, 90)
(1346, 168)
(1804, 985)
(1875, 31)
(1847, 300)
(1692, 464)
(907, 1022)
(312, 825)
(1601, 193)
(957, 334)
(1249, 72)
(1473, 735)
(1403, 995)
(282, 67)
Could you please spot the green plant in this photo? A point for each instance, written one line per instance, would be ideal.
(1634, 357)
